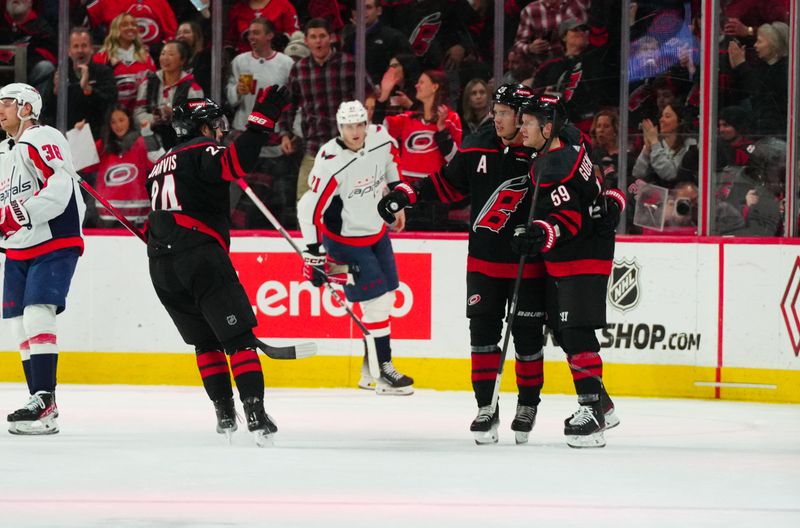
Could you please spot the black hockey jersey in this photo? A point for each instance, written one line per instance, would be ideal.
(569, 186)
(494, 178)
(189, 190)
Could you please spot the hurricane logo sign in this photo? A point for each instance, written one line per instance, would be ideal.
(148, 29)
(424, 33)
(421, 142)
(623, 285)
(502, 204)
(121, 174)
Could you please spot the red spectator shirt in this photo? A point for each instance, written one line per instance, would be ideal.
(422, 151)
(129, 76)
(156, 18)
(280, 12)
(121, 180)
(540, 22)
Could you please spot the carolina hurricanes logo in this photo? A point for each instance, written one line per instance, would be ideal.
(424, 33)
(121, 174)
(147, 27)
(126, 87)
(421, 142)
(502, 204)
(474, 299)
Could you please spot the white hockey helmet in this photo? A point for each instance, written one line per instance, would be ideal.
(23, 93)
(351, 112)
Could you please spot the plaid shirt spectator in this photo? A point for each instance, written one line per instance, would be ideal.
(540, 20)
(318, 90)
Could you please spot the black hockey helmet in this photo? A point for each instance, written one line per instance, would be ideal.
(189, 117)
(547, 108)
(513, 95)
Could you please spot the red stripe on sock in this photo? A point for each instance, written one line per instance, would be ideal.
(486, 361)
(484, 376)
(241, 356)
(585, 365)
(43, 339)
(25, 345)
(536, 381)
(378, 325)
(208, 358)
(238, 370)
(207, 372)
(530, 373)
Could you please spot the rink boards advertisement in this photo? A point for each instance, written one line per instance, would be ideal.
(706, 318)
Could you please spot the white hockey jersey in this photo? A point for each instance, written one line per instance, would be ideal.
(265, 72)
(345, 188)
(36, 171)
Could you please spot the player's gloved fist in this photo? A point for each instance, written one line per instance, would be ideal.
(539, 237)
(612, 203)
(395, 201)
(314, 261)
(268, 108)
(13, 217)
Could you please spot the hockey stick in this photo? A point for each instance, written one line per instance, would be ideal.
(369, 340)
(111, 209)
(512, 310)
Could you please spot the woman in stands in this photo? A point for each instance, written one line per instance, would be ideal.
(477, 105)
(199, 64)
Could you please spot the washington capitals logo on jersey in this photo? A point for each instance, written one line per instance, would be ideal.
(424, 33)
(623, 285)
(502, 204)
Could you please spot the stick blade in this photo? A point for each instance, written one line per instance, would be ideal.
(299, 351)
(372, 356)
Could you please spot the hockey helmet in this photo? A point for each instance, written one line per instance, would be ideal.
(23, 93)
(513, 95)
(547, 108)
(351, 112)
(189, 117)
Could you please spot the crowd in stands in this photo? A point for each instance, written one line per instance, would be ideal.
(429, 81)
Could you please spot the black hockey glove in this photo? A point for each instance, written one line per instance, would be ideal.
(395, 201)
(319, 267)
(612, 203)
(268, 108)
(539, 237)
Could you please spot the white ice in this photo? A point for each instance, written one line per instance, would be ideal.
(134, 457)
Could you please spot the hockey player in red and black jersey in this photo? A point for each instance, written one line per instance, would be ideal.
(491, 170)
(188, 240)
(577, 250)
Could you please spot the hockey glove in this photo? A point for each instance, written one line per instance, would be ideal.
(268, 108)
(395, 201)
(612, 203)
(319, 268)
(13, 217)
(539, 237)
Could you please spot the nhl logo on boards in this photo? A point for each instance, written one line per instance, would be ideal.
(623, 285)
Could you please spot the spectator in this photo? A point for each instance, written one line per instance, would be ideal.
(741, 18)
(199, 65)
(167, 88)
(155, 18)
(537, 33)
(91, 87)
(733, 148)
(272, 177)
(605, 145)
(765, 82)
(330, 10)
(382, 42)
(477, 105)
(520, 69)
(317, 86)
(398, 85)
(297, 48)
(124, 51)
(126, 157)
(20, 23)
(577, 77)
(281, 13)
(667, 158)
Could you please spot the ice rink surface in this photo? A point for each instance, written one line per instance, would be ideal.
(135, 457)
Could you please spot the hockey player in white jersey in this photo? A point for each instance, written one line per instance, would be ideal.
(340, 224)
(41, 211)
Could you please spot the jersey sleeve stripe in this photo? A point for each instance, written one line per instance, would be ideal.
(237, 166)
(227, 173)
(322, 204)
(447, 193)
(37, 160)
(570, 219)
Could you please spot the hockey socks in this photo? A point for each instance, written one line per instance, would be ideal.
(25, 353)
(587, 374)
(43, 363)
(247, 372)
(213, 366)
(485, 364)
(530, 377)
(383, 349)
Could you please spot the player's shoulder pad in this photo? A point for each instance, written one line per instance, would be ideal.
(484, 138)
(378, 135)
(39, 135)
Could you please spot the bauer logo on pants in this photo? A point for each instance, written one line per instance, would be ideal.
(623, 285)
(286, 305)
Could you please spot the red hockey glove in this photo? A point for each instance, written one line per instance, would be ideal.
(539, 237)
(268, 108)
(395, 201)
(320, 268)
(13, 217)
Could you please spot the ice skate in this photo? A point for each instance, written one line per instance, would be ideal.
(259, 422)
(226, 417)
(392, 383)
(484, 426)
(608, 410)
(37, 417)
(366, 382)
(585, 427)
(523, 422)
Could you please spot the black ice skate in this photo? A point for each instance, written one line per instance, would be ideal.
(226, 417)
(366, 382)
(37, 417)
(585, 427)
(393, 383)
(484, 426)
(608, 409)
(258, 421)
(523, 422)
